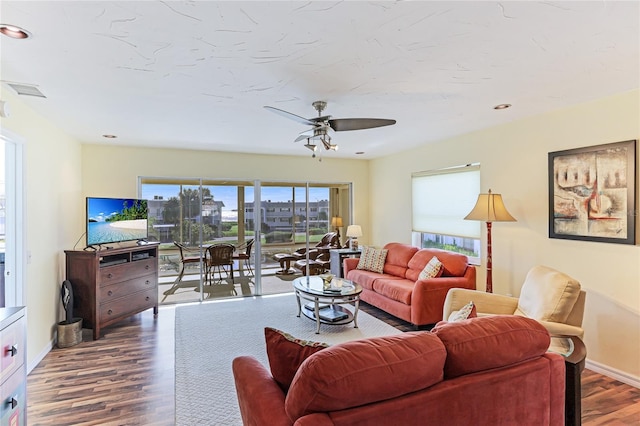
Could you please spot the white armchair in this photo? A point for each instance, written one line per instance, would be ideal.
(548, 296)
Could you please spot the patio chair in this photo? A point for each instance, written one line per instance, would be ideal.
(317, 265)
(246, 256)
(219, 259)
(188, 256)
(330, 240)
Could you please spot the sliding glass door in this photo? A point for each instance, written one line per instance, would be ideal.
(176, 222)
(261, 220)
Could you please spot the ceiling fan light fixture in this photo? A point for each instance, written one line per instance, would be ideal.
(502, 106)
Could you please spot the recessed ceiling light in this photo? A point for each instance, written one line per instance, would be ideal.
(14, 32)
(109, 136)
(502, 106)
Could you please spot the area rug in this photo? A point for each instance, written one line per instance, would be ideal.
(210, 335)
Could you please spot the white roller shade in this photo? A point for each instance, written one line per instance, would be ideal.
(442, 198)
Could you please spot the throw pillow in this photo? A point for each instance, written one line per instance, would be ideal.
(467, 311)
(372, 259)
(432, 269)
(286, 353)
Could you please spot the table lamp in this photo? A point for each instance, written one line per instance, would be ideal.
(489, 208)
(353, 232)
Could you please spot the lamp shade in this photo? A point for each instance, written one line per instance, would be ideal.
(336, 221)
(490, 208)
(354, 231)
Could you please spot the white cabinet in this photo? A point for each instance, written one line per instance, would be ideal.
(13, 383)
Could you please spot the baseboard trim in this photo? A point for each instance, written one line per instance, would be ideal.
(33, 364)
(616, 374)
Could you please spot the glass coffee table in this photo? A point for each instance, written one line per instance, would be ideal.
(324, 304)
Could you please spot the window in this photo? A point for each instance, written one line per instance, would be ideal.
(440, 201)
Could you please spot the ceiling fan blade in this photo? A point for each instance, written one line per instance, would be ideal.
(343, 124)
(291, 116)
(307, 134)
(303, 136)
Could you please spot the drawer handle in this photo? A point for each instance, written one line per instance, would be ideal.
(13, 402)
(13, 350)
(109, 312)
(147, 282)
(109, 293)
(146, 266)
(109, 276)
(147, 298)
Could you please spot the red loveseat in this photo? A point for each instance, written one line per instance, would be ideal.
(480, 371)
(400, 292)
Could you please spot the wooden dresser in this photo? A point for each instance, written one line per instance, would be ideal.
(113, 284)
(13, 368)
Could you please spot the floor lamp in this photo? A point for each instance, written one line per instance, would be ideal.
(490, 208)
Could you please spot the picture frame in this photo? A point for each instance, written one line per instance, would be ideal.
(592, 193)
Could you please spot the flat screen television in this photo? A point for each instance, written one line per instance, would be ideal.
(113, 220)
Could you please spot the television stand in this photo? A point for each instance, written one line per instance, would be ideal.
(110, 285)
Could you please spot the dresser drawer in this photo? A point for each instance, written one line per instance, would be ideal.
(12, 340)
(124, 306)
(13, 399)
(125, 271)
(111, 292)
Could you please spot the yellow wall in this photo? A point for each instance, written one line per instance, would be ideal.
(99, 179)
(52, 192)
(513, 160)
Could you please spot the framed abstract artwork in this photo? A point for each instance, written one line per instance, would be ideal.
(592, 193)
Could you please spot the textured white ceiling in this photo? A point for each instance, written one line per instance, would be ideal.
(196, 74)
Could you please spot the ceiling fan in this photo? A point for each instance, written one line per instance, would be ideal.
(323, 123)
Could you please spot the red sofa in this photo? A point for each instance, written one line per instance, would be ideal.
(398, 290)
(480, 371)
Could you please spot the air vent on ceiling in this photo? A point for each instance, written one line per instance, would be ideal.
(26, 90)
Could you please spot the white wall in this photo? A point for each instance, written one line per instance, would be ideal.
(53, 189)
(513, 160)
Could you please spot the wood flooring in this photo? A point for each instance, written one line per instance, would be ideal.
(127, 378)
